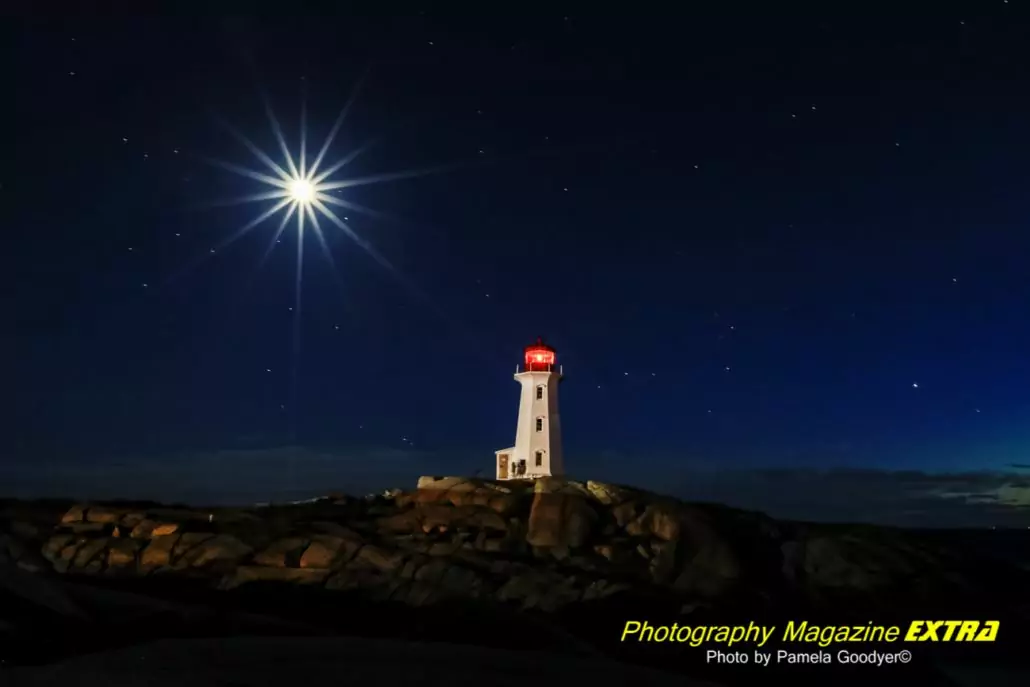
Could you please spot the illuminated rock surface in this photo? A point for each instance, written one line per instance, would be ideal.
(554, 565)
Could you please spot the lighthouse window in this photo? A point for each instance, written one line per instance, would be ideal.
(539, 458)
(539, 392)
(539, 424)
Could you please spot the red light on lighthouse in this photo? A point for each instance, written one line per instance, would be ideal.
(539, 357)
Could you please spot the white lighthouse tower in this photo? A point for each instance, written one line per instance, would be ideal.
(537, 450)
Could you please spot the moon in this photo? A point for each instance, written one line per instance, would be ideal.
(302, 191)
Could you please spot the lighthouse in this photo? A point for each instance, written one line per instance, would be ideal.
(537, 450)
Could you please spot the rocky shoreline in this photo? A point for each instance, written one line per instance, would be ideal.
(564, 561)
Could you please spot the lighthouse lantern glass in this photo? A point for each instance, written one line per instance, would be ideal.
(539, 357)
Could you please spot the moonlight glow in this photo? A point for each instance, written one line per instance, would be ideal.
(303, 189)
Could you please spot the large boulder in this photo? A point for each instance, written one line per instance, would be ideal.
(861, 563)
(257, 573)
(543, 590)
(148, 528)
(123, 554)
(427, 517)
(660, 519)
(222, 548)
(710, 565)
(327, 551)
(610, 494)
(561, 517)
(461, 491)
(282, 553)
(157, 552)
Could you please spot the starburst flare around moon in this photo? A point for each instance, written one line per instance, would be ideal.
(304, 192)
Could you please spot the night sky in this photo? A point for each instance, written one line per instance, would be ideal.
(783, 258)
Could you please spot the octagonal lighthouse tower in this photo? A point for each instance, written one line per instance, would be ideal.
(537, 450)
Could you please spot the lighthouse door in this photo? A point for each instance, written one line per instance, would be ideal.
(502, 466)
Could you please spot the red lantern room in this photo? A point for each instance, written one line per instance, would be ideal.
(539, 357)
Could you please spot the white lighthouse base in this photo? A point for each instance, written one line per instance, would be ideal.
(510, 468)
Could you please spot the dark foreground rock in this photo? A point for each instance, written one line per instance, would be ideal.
(330, 661)
(554, 566)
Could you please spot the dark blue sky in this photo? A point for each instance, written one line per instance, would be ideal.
(757, 242)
